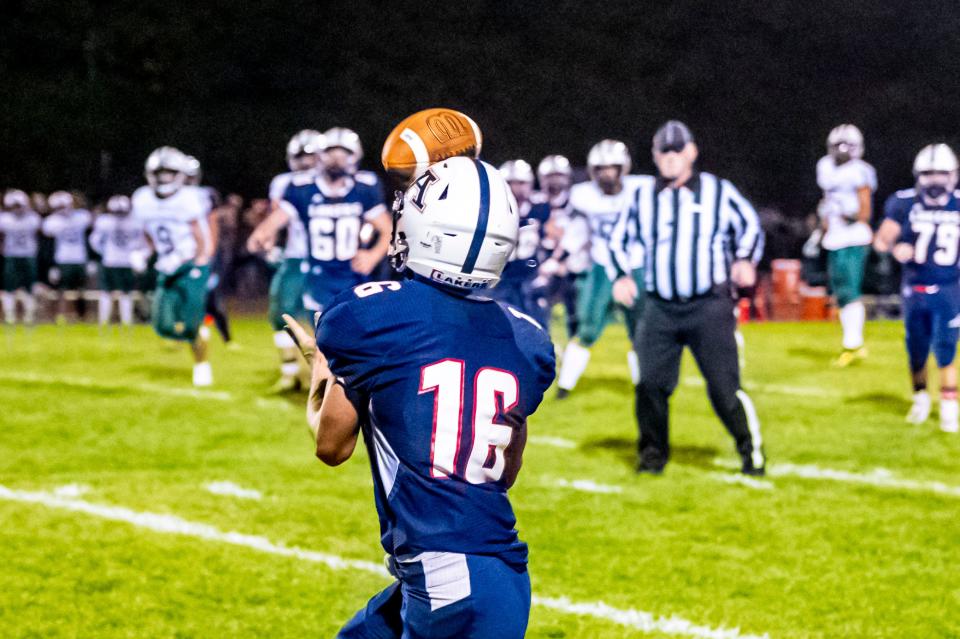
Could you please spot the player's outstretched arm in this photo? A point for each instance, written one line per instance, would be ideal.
(366, 261)
(265, 235)
(332, 419)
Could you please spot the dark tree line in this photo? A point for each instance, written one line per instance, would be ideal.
(89, 88)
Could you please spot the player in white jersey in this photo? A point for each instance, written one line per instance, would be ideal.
(286, 285)
(19, 226)
(117, 236)
(172, 214)
(848, 185)
(597, 205)
(68, 227)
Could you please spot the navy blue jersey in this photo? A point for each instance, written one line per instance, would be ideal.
(333, 218)
(934, 234)
(523, 262)
(438, 378)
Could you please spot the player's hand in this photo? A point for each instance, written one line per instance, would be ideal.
(625, 291)
(903, 252)
(364, 262)
(260, 242)
(301, 337)
(743, 273)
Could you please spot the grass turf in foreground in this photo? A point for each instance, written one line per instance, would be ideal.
(806, 558)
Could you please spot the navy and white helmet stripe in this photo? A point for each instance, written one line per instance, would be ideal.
(483, 219)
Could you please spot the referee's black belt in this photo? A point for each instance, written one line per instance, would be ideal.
(718, 290)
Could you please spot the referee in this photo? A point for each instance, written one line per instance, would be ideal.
(696, 234)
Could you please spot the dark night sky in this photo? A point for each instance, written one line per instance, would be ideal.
(760, 82)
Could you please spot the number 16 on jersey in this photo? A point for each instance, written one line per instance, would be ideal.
(495, 392)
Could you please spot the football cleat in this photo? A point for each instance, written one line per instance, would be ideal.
(850, 356)
(426, 137)
(202, 374)
(920, 410)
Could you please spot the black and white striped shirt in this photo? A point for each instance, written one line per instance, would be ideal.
(685, 238)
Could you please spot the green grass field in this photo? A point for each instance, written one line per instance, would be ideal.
(854, 534)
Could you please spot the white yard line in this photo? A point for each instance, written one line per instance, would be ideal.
(556, 442)
(71, 491)
(643, 621)
(230, 489)
(777, 389)
(171, 524)
(743, 480)
(588, 486)
(87, 382)
(880, 477)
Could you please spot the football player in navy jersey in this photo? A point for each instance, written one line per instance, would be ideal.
(332, 204)
(517, 282)
(922, 228)
(443, 417)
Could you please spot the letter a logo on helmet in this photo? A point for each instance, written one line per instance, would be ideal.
(466, 227)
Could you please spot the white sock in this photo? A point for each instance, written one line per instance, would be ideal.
(126, 309)
(104, 307)
(852, 318)
(633, 363)
(575, 360)
(29, 308)
(9, 307)
(949, 415)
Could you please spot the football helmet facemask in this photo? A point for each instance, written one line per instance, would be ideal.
(845, 142)
(165, 170)
(936, 170)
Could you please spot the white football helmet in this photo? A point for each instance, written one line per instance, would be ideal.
(304, 143)
(935, 158)
(170, 162)
(458, 225)
(936, 170)
(608, 153)
(554, 165)
(15, 199)
(60, 200)
(119, 204)
(845, 139)
(517, 171)
(344, 139)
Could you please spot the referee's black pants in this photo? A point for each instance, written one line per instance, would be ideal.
(707, 325)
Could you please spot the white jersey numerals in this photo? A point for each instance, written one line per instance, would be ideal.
(334, 238)
(947, 242)
(494, 391)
